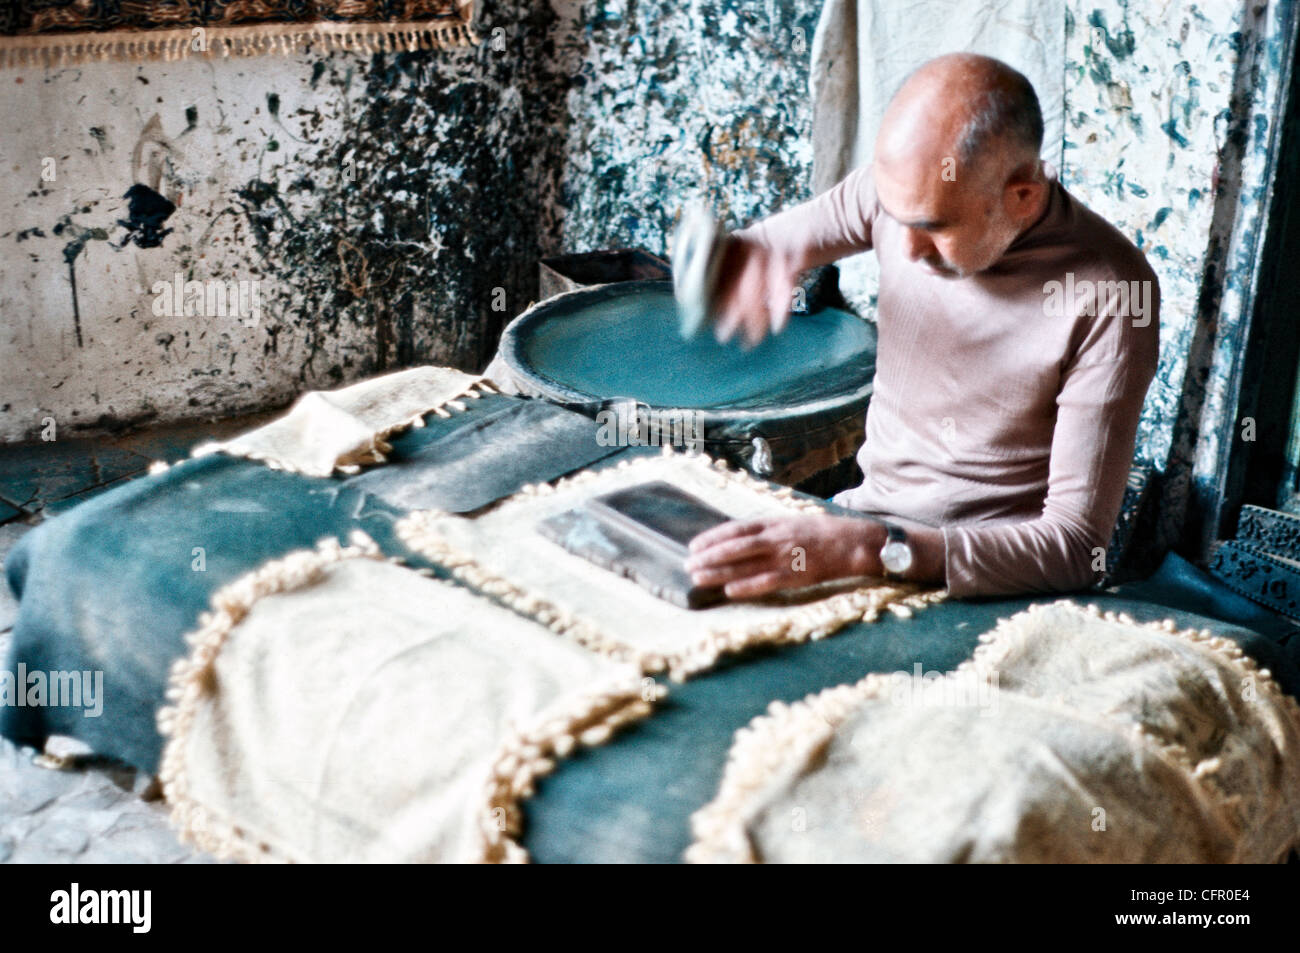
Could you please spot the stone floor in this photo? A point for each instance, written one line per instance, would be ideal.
(65, 805)
(68, 806)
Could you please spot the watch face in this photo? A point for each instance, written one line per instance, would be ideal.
(896, 556)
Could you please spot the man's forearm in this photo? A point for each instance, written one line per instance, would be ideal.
(1040, 555)
(831, 226)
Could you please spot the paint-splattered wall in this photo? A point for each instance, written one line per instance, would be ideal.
(389, 208)
(1169, 117)
(676, 100)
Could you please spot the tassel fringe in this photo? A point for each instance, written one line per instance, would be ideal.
(586, 719)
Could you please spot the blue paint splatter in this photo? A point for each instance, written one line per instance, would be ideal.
(1171, 130)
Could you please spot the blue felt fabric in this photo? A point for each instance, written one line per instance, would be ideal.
(112, 585)
(631, 800)
(1179, 584)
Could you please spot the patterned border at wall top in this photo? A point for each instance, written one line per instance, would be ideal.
(135, 46)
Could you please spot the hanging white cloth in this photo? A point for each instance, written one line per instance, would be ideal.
(864, 49)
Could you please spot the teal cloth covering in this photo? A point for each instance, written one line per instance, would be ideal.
(803, 391)
(631, 800)
(113, 584)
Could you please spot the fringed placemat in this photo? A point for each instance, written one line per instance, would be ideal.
(62, 32)
(338, 707)
(1070, 736)
(501, 553)
(343, 430)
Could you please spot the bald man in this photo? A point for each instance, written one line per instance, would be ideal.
(1018, 332)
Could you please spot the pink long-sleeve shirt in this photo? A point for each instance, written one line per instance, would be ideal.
(1006, 404)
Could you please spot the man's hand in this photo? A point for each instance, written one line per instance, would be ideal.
(755, 291)
(754, 558)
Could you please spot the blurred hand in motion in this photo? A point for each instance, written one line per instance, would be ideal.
(755, 291)
(751, 558)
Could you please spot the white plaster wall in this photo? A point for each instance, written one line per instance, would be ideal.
(132, 363)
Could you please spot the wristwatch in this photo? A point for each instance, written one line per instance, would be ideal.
(896, 554)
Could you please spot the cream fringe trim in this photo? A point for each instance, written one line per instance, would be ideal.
(800, 624)
(375, 453)
(471, 391)
(762, 747)
(995, 645)
(588, 719)
(62, 49)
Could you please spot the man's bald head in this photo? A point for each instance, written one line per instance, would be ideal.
(957, 160)
(962, 105)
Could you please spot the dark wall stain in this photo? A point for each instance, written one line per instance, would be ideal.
(416, 227)
(146, 213)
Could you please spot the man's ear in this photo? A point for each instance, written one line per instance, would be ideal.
(1024, 191)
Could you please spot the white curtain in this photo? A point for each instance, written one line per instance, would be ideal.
(863, 49)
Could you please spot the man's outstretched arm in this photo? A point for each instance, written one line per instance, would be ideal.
(1091, 453)
(752, 558)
